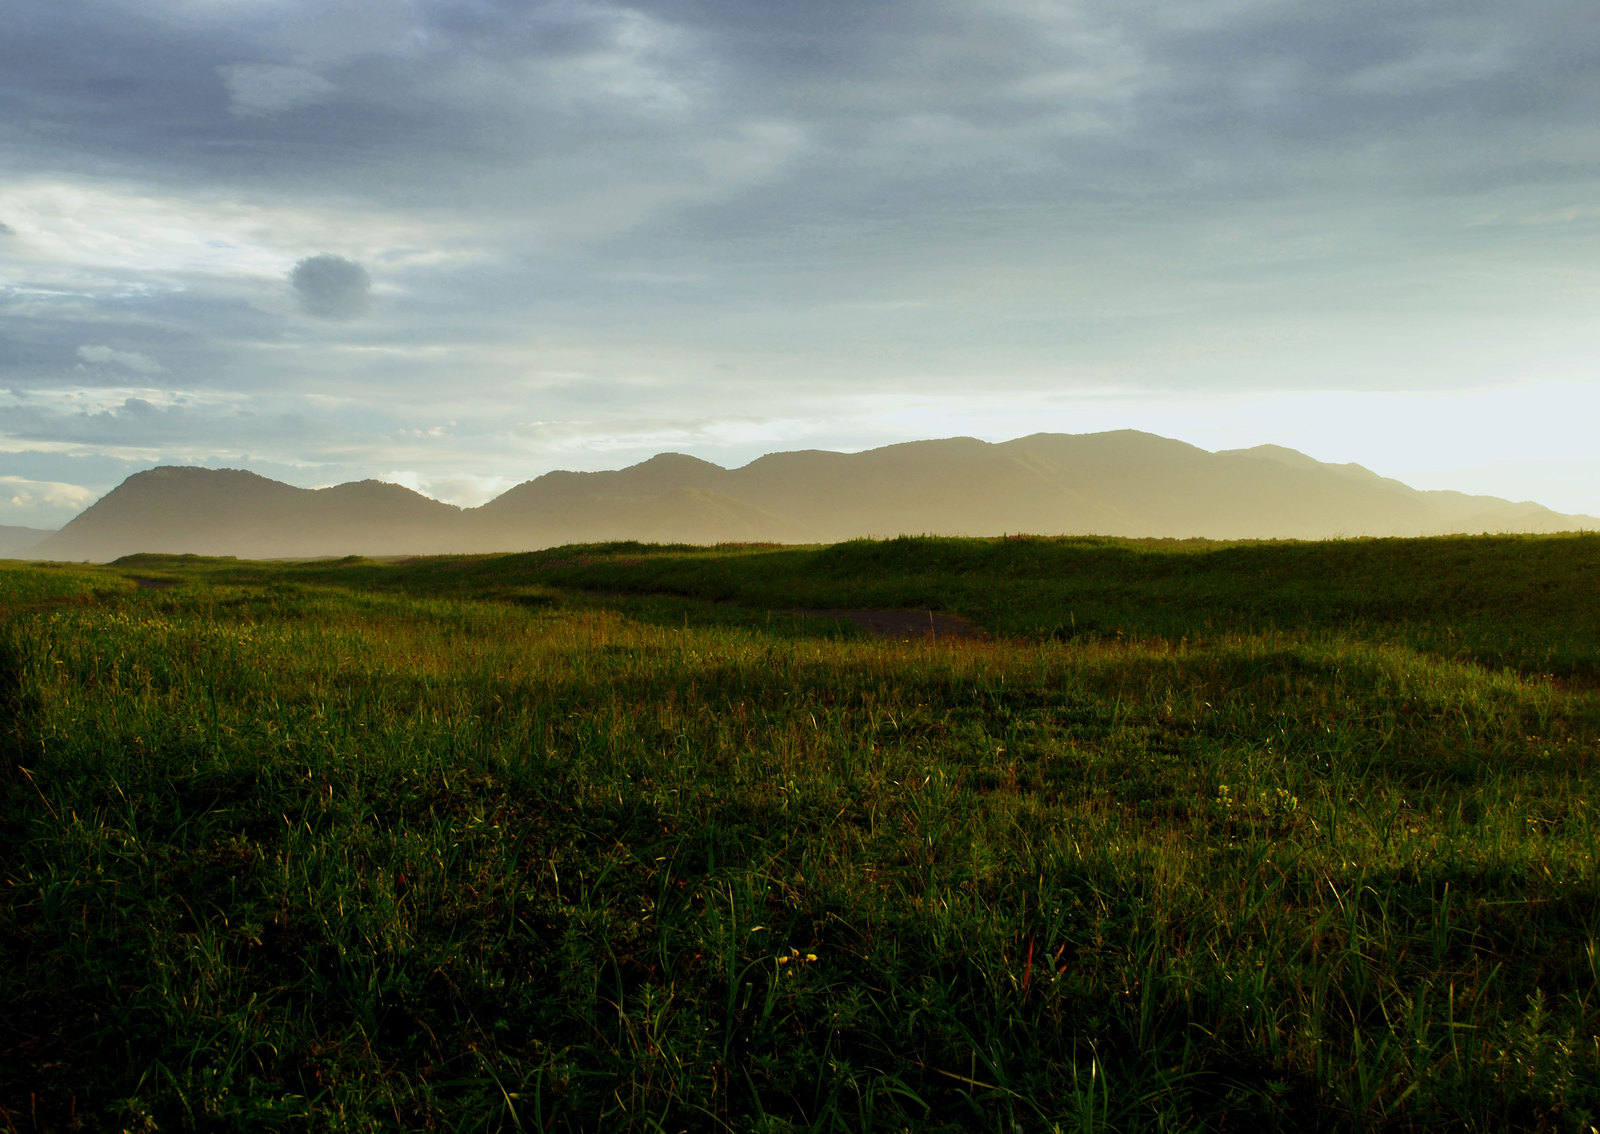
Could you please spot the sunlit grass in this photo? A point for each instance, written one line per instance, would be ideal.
(285, 848)
(24, 584)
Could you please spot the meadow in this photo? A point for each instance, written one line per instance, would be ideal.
(1197, 836)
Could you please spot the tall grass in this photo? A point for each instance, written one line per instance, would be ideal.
(341, 846)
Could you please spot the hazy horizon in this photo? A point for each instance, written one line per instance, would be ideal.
(455, 244)
(478, 499)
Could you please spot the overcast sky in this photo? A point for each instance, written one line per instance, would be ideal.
(459, 243)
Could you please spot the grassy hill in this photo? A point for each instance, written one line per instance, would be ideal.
(1522, 601)
(1201, 836)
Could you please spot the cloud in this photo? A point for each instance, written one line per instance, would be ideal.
(262, 89)
(22, 499)
(331, 287)
(6, 229)
(133, 360)
(464, 490)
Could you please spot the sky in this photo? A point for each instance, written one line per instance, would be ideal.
(456, 244)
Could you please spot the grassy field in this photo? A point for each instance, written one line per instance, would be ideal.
(1202, 837)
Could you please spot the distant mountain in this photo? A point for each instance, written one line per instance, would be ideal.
(1124, 484)
(15, 543)
(231, 512)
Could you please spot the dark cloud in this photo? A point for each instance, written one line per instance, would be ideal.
(331, 287)
(449, 100)
(268, 88)
(6, 229)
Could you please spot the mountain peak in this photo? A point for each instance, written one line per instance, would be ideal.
(1279, 453)
(678, 461)
(195, 473)
(1298, 460)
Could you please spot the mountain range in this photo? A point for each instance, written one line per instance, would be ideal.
(1123, 483)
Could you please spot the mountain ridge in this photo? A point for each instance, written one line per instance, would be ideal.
(16, 542)
(1121, 483)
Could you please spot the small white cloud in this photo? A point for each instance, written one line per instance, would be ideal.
(21, 493)
(256, 90)
(133, 360)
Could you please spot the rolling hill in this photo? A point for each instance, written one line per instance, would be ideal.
(1124, 483)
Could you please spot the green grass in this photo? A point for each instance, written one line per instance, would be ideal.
(25, 585)
(1207, 837)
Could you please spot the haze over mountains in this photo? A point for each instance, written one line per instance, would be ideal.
(15, 541)
(1124, 483)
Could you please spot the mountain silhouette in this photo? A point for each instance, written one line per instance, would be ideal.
(232, 512)
(16, 542)
(1123, 483)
